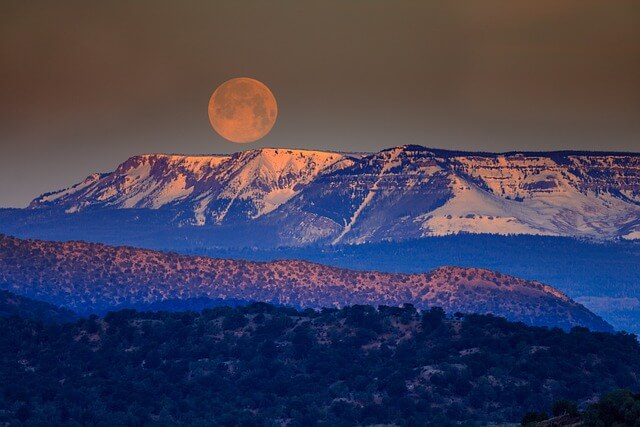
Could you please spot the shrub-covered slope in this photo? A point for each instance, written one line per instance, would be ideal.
(88, 277)
(262, 365)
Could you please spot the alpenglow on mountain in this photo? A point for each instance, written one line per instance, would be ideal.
(94, 277)
(297, 197)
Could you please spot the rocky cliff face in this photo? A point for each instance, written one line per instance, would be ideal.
(88, 277)
(396, 194)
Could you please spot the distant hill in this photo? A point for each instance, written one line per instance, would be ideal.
(283, 197)
(93, 277)
(14, 305)
(262, 366)
(603, 276)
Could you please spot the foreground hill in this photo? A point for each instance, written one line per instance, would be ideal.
(298, 197)
(93, 277)
(620, 408)
(14, 305)
(264, 366)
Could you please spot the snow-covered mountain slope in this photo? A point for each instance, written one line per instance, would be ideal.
(411, 192)
(396, 194)
(205, 189)
(146, 181)
(536, 195)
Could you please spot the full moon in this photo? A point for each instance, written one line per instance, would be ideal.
(242, 110)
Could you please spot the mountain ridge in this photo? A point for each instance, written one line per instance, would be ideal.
(94, 277)
(400, 193)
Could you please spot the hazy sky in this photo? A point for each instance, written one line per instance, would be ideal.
(84, 85)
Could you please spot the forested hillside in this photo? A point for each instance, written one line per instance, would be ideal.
(602, 276)
(263, 365)
(92, 277)
(14, 305)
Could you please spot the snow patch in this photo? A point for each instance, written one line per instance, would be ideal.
(634, 235)
(175, 190)
(275, 198)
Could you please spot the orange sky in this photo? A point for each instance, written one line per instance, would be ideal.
(83, 84)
